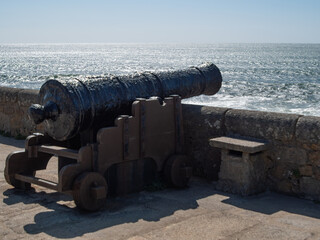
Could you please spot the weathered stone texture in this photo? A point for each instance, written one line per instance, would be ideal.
(316, 172)
(283, 186)
(265, 125)
(14, 104)
(306, 171)
(200, 124)
(4, 122)
(26, 97)
(279, 172)
(243, 175)
(314, 157)
(291, 155)
(308, 130)
(9, 95)
(310, 187)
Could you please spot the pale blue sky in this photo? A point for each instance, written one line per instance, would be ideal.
(163, 21)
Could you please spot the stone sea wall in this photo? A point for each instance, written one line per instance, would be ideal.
(292, 162)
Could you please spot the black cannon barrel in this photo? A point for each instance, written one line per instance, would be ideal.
(71, 106)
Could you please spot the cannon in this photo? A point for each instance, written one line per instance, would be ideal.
(69, 107)
(128, 131)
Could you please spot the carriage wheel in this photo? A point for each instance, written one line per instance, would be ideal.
(178, 171)
(11, 161)
(90, 191)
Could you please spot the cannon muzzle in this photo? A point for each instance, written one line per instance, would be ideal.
(70, 106)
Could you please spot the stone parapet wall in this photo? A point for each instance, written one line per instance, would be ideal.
(14, 104)
(292, 161)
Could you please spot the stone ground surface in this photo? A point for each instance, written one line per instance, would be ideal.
(198, 212)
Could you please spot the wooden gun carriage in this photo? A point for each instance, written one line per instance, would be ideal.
(153, 135)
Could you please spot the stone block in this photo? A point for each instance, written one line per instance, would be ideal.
(306, 171)
(308, 130)
(15, 122)
(291, 156)
(26, 97)
(5, 123)
(278, 172)
(315, 147)
(311, 146)
(9, 95)
(316, 172)
(310, 187)
(284, 186)
(243, 175)
(233, 168)
(8, 109)
(264, 125)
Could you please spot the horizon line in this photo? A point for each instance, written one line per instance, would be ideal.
(147, 43)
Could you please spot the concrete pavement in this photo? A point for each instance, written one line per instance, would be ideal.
(198, 212)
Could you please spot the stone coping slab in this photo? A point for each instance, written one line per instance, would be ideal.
(239, 144)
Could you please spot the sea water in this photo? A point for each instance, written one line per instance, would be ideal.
(267, 77)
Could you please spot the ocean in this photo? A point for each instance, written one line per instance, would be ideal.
(267, 77)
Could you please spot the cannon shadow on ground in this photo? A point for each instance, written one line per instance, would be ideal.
(12, 142)
(64, 220)
(61, 219)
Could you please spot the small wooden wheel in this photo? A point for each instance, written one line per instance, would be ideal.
(178, 171)
(90, 191)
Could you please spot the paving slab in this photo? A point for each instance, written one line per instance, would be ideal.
(198, 212)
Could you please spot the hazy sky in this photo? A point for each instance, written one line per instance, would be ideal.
(163, 21)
